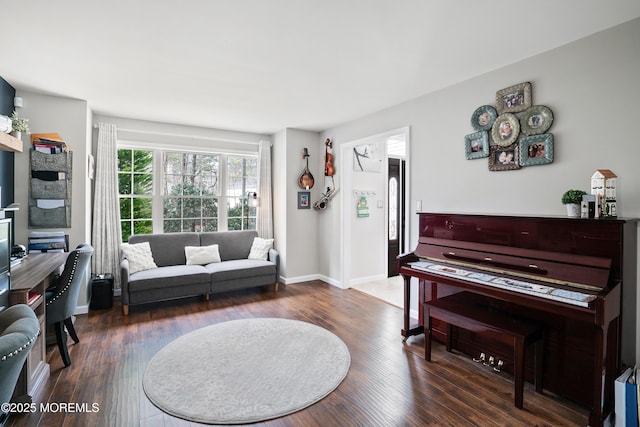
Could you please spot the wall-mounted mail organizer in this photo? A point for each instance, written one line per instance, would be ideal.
(50, 182)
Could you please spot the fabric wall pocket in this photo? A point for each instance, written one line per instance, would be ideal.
(60, 162)
(60, 189)
(50, 218)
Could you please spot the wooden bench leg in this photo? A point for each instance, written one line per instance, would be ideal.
(427, 337)
(518, 371)
(539, 363)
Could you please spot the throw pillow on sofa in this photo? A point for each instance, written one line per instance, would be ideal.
(200, 255)
(260, 248)
(139, 256)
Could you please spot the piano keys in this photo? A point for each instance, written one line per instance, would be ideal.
(563, 273)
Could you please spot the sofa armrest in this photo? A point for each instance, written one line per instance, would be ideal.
(124, 280)
(274, 257)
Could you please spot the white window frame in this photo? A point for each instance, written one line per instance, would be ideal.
(157, 207)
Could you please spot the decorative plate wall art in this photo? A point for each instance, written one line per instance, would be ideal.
(505, 129)
(514, 133)
(483, 117)
(536, 120)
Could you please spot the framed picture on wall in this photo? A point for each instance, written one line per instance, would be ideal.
(514, 99)
(503, 158)
(536, 150)
(476, 145)
(367, 158)
(304, 199)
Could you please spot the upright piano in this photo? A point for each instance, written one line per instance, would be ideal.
(563, 273)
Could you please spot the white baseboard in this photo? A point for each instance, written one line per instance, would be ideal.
(310, 277)
(81, 309)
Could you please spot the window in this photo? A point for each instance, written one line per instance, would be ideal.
(242, 179)
(135, 183)
(185, 191)
(190, 192)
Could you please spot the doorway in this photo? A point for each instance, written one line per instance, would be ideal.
(388, 192)
(396, 214)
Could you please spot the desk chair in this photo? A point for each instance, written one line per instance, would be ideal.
(62, 298)
(19, 329)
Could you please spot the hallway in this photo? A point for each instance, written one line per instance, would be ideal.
(389, 290)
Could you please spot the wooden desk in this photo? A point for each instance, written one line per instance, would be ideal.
(29, 280)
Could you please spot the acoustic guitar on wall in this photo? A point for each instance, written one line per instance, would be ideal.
(306, 179)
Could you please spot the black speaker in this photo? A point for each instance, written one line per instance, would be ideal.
(101, 292)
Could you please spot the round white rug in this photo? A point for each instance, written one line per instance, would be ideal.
(245, 371)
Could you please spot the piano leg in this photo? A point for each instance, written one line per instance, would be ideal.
(407, 330)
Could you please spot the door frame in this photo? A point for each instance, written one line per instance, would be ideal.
(346, 153)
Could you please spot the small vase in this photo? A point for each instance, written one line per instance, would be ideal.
(573, 210)
(17, 134)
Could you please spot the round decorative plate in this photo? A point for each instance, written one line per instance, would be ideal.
(483, 117)
(505, 129)
(536, 120)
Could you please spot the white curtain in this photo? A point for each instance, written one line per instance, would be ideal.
(265, 210)
(106, 235)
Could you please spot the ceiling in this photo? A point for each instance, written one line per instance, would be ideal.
(266, 65)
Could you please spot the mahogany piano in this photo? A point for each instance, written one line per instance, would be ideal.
(563, 273)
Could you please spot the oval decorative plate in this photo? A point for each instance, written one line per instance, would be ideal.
(483, 117)
(536, 120)
(505, 129)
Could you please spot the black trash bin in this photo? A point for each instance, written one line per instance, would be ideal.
(101, 292)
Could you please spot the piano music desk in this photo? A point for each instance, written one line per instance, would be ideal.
(463, 311)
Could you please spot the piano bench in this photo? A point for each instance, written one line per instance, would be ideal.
(463, 311)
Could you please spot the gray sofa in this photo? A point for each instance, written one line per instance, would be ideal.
(174, 279)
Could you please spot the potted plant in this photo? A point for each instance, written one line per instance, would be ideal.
(19, 125)
(572, 199)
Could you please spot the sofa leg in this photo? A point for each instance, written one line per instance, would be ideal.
(277, 283)
(125, 309)
(206, 296)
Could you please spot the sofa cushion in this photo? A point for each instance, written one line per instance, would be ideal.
(232, 244)
(167, 277)
(260, 248)
(200, 255)
(139, 256)
(240, 269)
(168, 248)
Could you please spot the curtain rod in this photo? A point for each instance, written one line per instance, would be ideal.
(178, 135)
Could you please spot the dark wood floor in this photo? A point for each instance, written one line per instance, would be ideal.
(389, 383)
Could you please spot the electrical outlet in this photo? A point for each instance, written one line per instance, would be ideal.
(419, 206)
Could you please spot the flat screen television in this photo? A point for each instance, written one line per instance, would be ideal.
(5, 261)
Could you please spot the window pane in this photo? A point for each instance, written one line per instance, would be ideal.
(172, 226)
(126, 230)
(142, 161)
(209, 208)
(172, 207)
(172, 163)
(191, 225)
(125, 208)
(142, 227)
(143, 184)
(124, 160)
(124, 183)
(142, 208)
(192, 208)
(393, 209)
(210, 225)
(172, 185)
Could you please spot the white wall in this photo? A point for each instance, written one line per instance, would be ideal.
(70, 118)
(592, 88)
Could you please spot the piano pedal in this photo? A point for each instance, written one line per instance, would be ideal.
(492, 361)
(482, 358)
(498, 367)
